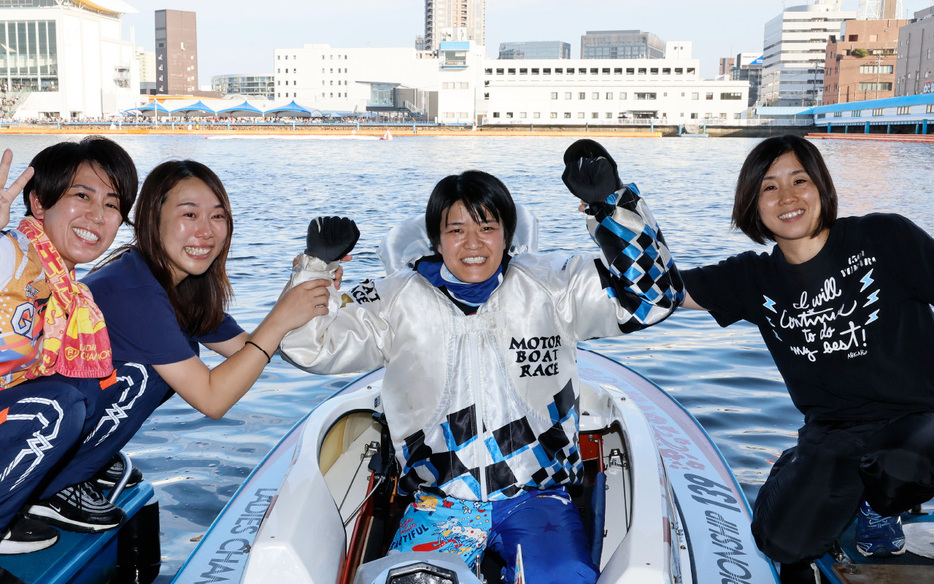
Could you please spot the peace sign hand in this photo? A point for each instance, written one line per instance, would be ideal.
(10, 194)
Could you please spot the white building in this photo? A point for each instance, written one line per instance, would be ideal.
(326, 78)
(67, 60)
(679, 49)
(463, 86)
(461, 75)
(795, 51)
(606, 91)
(147, 65)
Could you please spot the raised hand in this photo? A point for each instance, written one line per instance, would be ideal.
(590, 172)
(10, 194)
(331, 238)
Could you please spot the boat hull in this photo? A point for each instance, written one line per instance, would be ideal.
(675, 513)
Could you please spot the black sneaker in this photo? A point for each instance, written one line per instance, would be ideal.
(27, 535)
(79, 507)
(111, 475)
(7, 578)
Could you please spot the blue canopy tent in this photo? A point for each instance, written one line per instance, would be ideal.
(153, 108)
(244, 110)
(292, 110)
(199, 107)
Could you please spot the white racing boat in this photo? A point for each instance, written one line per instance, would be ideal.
(313, 511)
(658, 501)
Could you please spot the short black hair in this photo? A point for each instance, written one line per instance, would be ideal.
(55, 168)
(749, 184)
(481, 193)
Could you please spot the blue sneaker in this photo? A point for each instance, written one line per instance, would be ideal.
(878, 536)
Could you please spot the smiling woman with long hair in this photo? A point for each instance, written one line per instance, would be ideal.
(163, 295)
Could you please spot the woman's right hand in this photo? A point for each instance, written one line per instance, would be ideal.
(7, 196)
(300, 304)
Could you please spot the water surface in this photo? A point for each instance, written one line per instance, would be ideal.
(724, 377)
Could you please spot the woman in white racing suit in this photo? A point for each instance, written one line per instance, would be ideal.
(481, 389)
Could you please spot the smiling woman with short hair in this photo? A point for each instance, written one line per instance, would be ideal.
(844, 307)
(484, 426)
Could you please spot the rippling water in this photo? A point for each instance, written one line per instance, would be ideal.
(723, 376)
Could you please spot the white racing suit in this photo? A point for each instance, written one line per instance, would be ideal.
(483, 407)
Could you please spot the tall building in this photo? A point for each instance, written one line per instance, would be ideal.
(621, 44)
(879, 10)
(176, 52)
(65, 59)
(454, 20)
(535, 50)
(726, 66)
(147, 71)
(748, 67)
(914, 69)
(860, 64)
(795, 50)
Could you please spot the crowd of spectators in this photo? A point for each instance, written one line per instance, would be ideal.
(7, 102)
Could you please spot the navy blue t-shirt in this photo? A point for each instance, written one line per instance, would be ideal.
(140, 319)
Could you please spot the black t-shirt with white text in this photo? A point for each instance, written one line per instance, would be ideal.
(851, 330)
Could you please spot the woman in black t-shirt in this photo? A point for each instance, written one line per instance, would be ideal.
(844, 306)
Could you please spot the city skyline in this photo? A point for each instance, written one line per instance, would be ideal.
(242, 41)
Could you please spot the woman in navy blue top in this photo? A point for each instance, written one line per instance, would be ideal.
(161, 296)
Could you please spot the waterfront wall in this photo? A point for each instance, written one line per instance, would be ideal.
(396, 130)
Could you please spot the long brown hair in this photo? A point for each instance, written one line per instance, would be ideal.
(199, 301)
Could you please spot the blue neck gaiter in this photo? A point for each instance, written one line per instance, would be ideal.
(466, 293)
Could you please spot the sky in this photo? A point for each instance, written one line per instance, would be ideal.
(238, 37)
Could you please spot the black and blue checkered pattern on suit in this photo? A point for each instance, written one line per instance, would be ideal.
(639, 271)
(555, 450)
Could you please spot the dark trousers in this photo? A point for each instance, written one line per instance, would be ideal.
(40, 422)
(117, 408)
(56, 432)
(814, 489)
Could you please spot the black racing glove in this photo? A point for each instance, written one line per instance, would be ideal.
(331, 238)
(590, 172)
